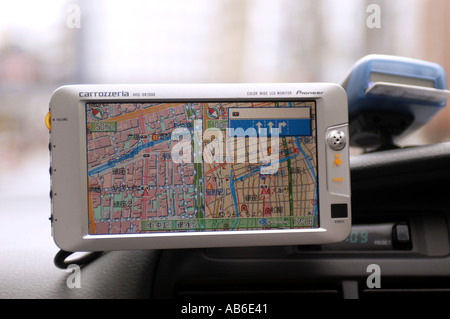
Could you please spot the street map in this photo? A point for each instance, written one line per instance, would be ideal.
(135, 185)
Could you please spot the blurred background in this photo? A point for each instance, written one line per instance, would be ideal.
(48, 43)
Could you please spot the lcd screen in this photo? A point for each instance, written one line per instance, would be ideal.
(201, 166)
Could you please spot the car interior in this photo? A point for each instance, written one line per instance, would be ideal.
(399, 244)
(415, 263)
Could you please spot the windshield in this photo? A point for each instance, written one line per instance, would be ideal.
(45, 44)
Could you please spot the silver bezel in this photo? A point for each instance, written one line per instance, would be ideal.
(69, 166)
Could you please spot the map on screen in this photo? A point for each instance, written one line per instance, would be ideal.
(201, 166)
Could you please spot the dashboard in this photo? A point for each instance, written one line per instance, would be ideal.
(399, 192)
(399, 247)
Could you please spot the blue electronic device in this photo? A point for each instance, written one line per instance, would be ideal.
(390, 97)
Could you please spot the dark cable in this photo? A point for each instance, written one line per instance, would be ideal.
(62, 255)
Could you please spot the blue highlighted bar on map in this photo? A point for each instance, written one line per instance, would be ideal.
(286, 127)
(251, 121)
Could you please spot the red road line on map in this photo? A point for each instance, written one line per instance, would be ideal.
(215, 168)
(260, 104)
(145, 181)
(91, 212)
(133, 114)
(207, 206)
(141, 122)
(144, 175)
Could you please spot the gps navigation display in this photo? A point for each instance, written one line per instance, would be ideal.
(201, 166)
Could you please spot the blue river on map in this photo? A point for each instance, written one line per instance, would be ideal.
(127, 156)
(308, 162)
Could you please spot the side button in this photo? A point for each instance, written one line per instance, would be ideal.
(48, 121)
(338, 179)
(402, 239)
(337, 140)
(339, 211)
